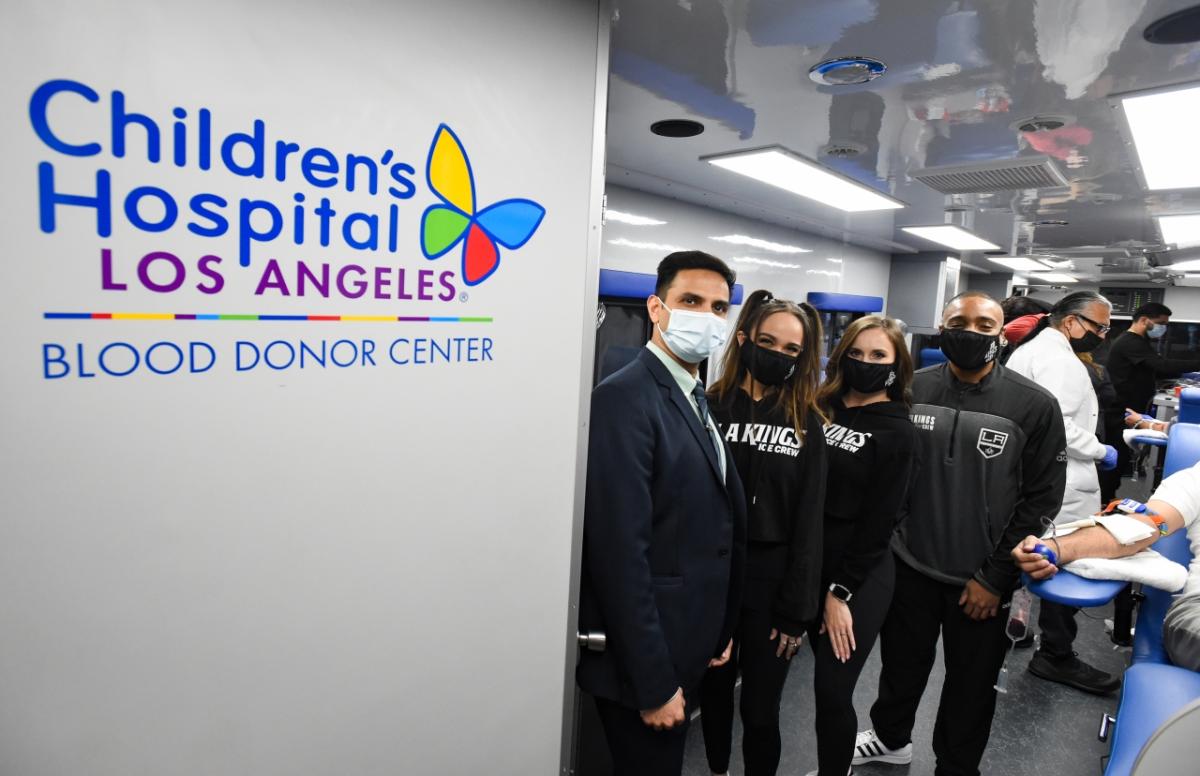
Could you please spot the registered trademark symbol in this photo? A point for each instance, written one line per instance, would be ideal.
(463, 297)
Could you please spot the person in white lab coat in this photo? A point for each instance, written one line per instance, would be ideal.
(1049, 357)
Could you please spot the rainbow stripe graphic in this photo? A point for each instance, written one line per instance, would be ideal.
(227, 317)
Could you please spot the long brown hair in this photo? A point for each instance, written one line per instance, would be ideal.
(798, 395)
(835, 385)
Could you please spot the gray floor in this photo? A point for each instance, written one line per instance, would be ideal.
(1040, 727)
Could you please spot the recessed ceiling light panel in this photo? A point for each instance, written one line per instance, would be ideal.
(1182, 231)
(1020, 263)
(1162, 124)
(1054, 278)
(754, 242)
(632, 219)
(952, 237)
(789, 171)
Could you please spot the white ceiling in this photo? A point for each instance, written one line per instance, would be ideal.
(959, 74)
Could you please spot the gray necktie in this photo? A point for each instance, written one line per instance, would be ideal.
(701, 402)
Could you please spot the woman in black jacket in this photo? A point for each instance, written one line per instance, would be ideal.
(871, 445)
(765, 405)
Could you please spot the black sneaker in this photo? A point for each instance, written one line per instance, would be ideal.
(1073, 672)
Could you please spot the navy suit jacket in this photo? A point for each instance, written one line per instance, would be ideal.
(664, 540)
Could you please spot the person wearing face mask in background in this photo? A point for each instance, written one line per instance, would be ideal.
(1134, 363)
(1049, 356)
(765, 405)
(664, 526)
(992, 463)
(872, 449)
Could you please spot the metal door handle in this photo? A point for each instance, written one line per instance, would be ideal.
(594, 641)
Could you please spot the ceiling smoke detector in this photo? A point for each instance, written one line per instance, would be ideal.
(843, 149)
(1042, 123)
(1179, 27)
(846, 71)
(677, 128)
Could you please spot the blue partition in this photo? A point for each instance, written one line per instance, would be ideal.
(929, 357)
(1189, 406)
(637, 285)
(848, 303)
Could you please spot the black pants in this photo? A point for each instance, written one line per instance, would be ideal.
(763, 677)
(1058, 626)
(834, 681)
(974, 652)
(1110, 480)
(639, 750)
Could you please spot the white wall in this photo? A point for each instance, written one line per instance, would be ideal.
(827, 266)
(285, 572)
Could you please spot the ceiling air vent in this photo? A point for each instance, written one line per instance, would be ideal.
(1026, 172)
(1042, 123)
(843, 149)
(847, 71)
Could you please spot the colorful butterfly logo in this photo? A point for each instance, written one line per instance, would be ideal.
(510, 222)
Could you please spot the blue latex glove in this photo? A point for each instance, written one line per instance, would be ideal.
(1109, 462)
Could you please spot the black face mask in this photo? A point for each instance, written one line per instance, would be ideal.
(768, 367)
(1087, 343)
(866, 377)
(970, 350)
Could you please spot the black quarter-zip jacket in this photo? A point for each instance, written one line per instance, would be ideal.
(783, 475)
(994, 463)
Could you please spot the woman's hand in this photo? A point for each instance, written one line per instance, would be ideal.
(787, 644)
(839, 626)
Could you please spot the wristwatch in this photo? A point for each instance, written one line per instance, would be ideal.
(841, 592)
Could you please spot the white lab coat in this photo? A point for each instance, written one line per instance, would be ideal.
(1048, 360)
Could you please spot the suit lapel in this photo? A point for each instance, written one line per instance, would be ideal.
(702, 435)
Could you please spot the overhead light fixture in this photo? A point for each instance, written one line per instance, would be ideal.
(952, 237)
(835, 261)
(825, 272)
(1037, 278)
(1019, 263)
(777, 166)
(1161, 124)
(645, 246)
(622, 217)
(1182, 266)
(1183, 231)
(754, 242)
(765, 262)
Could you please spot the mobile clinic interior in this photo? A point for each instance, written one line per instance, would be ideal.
(299, 323)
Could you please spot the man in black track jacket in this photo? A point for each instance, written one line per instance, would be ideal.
(993, 465)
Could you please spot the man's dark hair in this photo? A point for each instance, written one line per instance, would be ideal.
(1018, 306)
(673, 264)
(1151, 310)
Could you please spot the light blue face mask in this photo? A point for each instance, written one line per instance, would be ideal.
(693, 336)
(1156, 330)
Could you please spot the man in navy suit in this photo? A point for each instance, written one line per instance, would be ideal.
(664, 526)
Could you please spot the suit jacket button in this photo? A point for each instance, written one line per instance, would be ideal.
(721, 553)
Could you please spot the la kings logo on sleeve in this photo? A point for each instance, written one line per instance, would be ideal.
(991, 443)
